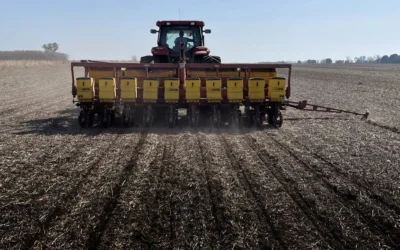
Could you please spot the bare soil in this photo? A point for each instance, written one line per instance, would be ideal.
(322, 181)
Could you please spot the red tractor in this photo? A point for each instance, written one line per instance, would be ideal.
(170, 36)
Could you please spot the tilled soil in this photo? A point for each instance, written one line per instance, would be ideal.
(321, 181)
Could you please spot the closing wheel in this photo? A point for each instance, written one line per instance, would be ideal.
(216, 117)
(171, 116)
(259, 117)
(249, 116)
(193, 115)
(83, 118)
(228, 121)
(112, 117)
(275, 117)
(237, 117)
(90, 118)
(127, 117)
(232, 118)
(107, 118)
(132, 113)
(148, 116)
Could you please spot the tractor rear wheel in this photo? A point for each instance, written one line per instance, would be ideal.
(211, 59)
(146, 59)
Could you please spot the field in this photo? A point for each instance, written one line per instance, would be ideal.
(321, 181)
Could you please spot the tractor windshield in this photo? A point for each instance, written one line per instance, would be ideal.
(172, 36)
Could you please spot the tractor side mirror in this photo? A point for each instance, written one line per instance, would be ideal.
(153, 31)
(207, 31)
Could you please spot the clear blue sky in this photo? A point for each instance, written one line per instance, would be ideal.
(242, 31)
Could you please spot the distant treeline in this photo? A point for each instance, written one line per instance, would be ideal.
(33, 55)
(393, 58)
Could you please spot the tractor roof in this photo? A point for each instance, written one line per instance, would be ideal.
(175, 22)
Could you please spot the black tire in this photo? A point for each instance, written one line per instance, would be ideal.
(275, 117)
(146, 59)
(260, 120)
(278, 120)
(198, 59)
(83, 118)
(211, 59)
(160, 59)
(90, 118)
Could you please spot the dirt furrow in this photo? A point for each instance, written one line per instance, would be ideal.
(164, 207)
(135, 222)
(97, 230)
(72, 229)
(214, 200)
(8, 111)
(248, 184)
(379, 228)
(380, 221)
(385, 195)
(47, 160)
(34, 198)
(364, 152)
(319, 223)
(64, 200)
(190, 219)
(29, 89)
(17, 121)
(44, 100)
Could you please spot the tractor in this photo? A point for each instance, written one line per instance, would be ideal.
(171, 33)
(181, 74)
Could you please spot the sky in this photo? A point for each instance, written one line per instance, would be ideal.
(242, 31)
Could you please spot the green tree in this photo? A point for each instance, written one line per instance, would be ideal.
(393, 58)
(50, 47)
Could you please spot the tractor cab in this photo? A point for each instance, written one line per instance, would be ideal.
(170, 36)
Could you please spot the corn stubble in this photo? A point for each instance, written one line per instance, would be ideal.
(321, 181)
